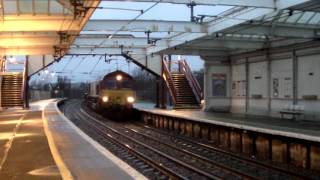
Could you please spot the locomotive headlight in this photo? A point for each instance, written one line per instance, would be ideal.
(130, 99)
(105, 99)
(119, 77)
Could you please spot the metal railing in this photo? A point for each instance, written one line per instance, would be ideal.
(193, 82)
(166, 75)
(24, 84)
(2, 67)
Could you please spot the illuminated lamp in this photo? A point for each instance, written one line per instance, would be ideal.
(119, 77)
(12, 59)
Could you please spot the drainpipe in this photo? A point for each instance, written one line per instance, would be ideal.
(247, 85)
(295, 77)
(269, 81)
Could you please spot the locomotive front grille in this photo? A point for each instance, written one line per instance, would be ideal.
(116, 100)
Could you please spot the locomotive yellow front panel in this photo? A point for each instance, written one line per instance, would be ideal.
(117, 97)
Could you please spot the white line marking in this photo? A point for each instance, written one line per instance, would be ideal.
(8, 145)
(64, 171)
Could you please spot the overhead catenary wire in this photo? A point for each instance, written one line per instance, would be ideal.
(78, 65)
(126, 24)
(94, 67)
(204, 3)
(262, 22)
(68, 62)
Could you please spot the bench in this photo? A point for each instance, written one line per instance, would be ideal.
(293, 110)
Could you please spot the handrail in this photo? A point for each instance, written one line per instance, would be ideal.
(166, 75)
(24, 83)
(193, 82)
(1, 77)
(2, 65)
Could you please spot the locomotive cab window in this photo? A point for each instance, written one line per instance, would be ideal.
(117, 80)
(110, 84)
(114, 84)
(126, 84)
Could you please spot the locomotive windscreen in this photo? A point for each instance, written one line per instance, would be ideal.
(114, 84)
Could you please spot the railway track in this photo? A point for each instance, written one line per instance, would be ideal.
(211, 152)
(167, 156)
(149, 161)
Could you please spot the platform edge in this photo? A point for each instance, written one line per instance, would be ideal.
(64, 171)
(118, 162)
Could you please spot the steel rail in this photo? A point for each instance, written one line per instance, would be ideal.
(166, 171)
(214, 149)
(224, 167)
(123, 131)
(203, 173)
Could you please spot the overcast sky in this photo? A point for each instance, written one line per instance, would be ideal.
(90, 68)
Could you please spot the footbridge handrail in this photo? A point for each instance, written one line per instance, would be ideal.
(166, 75)
(24, 84)
(193, 82)
(2, 68)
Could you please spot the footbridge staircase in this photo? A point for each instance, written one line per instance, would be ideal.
(182, 85)
(177, 78)
(13, 86)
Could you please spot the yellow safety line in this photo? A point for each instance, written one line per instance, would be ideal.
(64, 171)
(8, 145)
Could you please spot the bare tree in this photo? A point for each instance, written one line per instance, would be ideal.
(145, 85)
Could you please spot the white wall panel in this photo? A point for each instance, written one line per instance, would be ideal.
(258, 86)
(281, 72)
(239, 72)
(238, 80)
(309, 85)
(238, 102)
(309, 75)
(281, 69)
(258, 79)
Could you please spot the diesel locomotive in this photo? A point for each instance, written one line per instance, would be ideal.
(113, 93)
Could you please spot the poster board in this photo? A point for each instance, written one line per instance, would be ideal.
(219, 84)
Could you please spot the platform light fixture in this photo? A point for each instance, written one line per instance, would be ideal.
(12, 59)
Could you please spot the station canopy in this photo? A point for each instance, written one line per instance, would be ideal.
(234, 26)
(59, 27)
(33, 27)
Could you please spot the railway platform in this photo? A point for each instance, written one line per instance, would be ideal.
(40, 143)
(282, 141)
(307, 130)
(24, 149)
